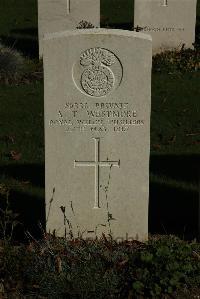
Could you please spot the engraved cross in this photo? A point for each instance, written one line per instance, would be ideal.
(97, 164)
(68, 7)
(165, 3)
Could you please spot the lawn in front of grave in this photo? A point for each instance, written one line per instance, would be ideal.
(21, 137)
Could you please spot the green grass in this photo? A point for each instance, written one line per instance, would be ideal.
(163, 267)
(21, 117)
(18, 25)
(21, 123)
(116, 12)
(16, 15)
(175, 122)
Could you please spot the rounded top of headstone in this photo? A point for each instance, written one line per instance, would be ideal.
(96, 31)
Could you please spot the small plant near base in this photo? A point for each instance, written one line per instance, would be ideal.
(177, 61)
(8, 219)
(85, 25)
(16, 69)
(163, 267)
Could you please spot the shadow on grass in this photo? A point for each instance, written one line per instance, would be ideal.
(23, 40)
(174, 209)
(34, 173)
(197, 31)
(31, 212)
(32, 31)
(124, 26)
(31, 215)
(31, 208)
(179, 167)
(117, 14)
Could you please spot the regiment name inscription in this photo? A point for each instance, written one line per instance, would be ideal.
(96, 117)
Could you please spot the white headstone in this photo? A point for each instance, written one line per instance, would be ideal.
(97, 131)
(60, 15)
(171, 23)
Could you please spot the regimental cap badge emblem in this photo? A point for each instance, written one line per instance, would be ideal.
(98, 72)
(97, 78)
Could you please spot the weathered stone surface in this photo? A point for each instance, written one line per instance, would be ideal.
(59, 15)
(171, 23)
(97, 131)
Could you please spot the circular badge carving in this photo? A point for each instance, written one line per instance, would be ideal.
(97, 79)
(97, 68)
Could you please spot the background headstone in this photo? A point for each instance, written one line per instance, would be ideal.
(59, 15)
(97, 132)
(171, 23)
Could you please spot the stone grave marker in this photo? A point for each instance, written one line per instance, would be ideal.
(97, 132)
(60, 15)
(171, 23)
